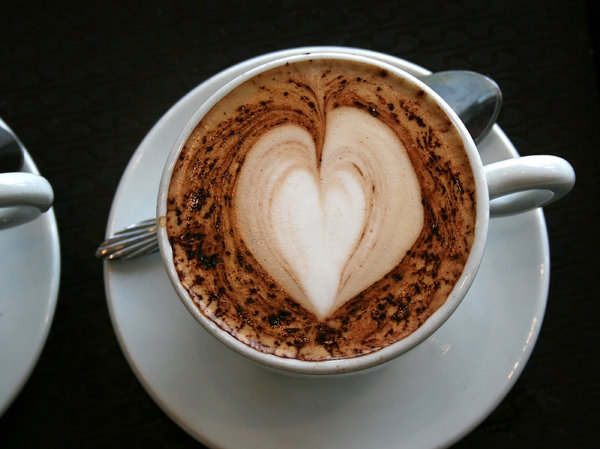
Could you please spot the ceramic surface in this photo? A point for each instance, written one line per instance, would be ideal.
(454, 379)
(29, 280)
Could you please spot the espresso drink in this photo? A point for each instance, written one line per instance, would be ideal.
(323, 209)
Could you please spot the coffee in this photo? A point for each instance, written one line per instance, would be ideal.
(323, 209)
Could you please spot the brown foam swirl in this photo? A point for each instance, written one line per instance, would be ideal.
(326, 233)
(212, 237)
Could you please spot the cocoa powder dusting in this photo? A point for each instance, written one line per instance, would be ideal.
(230, 286)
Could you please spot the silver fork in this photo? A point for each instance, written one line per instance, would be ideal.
(134, 241)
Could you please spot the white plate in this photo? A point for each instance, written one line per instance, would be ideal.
(29, 279)
(428, 398)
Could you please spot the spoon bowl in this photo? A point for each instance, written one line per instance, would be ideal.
(474, 97)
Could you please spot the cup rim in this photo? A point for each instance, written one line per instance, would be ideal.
(372, 359)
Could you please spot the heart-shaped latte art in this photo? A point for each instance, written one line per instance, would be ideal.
(326, 230)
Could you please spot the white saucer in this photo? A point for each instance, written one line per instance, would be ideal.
(29, 279)
(428, 398)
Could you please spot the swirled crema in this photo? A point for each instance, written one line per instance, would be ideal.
(323, 209)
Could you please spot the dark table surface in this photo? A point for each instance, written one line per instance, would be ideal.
(81, 83)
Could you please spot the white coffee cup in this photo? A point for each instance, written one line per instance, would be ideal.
(23, 196)
(502, 188)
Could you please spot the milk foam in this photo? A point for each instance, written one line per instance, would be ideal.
(295, 197)
(326, 230)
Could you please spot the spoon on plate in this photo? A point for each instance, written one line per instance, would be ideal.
(474, 97)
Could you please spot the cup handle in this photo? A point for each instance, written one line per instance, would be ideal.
(23, 197)
(524, 183)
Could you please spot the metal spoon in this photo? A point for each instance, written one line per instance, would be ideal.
(474, 97)
(11, 153)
